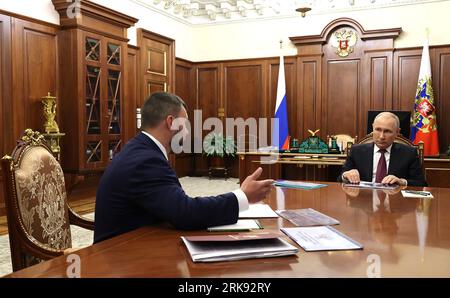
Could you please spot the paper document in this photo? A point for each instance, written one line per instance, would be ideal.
(237, 247)
(297, 184)
(258, 211)
(321, 238)
(417, 194)
(307, 217)
(240, 225)
(373, 185)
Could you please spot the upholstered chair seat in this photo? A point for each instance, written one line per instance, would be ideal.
(38, 215)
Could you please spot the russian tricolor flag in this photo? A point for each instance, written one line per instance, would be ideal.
(280, 133)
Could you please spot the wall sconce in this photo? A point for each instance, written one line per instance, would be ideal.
(303, 10)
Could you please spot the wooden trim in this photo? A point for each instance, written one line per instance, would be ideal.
(92, 30)
(243, 59)
(364, 34)
(94, 17)
(446, 160)
(155, 36)
(29, 19)
(177, 59)
(379, 50)
(95, 10)
(130, 46)
(169, 77)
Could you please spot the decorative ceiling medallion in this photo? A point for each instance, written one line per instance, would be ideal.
(344, 41)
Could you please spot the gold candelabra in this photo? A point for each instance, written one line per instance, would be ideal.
(52, 134)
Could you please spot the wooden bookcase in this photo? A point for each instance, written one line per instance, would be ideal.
(92, 58)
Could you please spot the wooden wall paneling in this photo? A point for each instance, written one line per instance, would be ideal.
(342, 85)
(376, 87)
(441, 86)
(437, 172)
(70, 84)
(184, 85)
(185, 88)
(341, 97)
(131, 92)
(208, 80)
(6, 140)
(348, 82)
(157, 63)
(244, 97)
(309, 93)
(406, 73)
(272, 79)
(208, 86)
(34, 73)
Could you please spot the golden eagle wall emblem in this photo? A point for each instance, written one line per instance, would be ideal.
(344, 41)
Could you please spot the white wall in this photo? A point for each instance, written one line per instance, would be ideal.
(261, 38)
(38, 9)
(155, 22)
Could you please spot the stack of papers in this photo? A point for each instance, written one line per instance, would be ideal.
(417, 194)
(307, 217)
(258, 211)
(297, 184)
(373, 185)
(241, 225)
(237, 247)
(320, 238)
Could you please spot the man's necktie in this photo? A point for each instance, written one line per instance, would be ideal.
(381, 168)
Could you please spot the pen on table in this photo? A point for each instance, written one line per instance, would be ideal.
(418, 192)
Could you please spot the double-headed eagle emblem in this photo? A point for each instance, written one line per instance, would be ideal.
(344, 41)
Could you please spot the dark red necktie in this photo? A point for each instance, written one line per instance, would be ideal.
(381, 168)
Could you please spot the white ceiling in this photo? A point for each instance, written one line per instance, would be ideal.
(194, 12)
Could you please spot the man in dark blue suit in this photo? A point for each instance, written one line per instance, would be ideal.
(140, 187)
(383, 160)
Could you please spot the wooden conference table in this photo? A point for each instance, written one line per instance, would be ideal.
(410, 238)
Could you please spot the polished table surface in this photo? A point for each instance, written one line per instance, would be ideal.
(410, 238)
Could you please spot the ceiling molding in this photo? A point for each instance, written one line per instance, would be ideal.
(214, 12)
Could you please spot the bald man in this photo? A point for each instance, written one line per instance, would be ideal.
(383, 160)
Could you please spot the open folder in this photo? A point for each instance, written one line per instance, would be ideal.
(237, 247)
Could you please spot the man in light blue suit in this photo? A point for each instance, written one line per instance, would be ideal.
(140, 187)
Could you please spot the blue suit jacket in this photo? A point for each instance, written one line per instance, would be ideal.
(140, 188)
(404, 163)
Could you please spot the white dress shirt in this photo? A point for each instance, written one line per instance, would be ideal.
(240, 195)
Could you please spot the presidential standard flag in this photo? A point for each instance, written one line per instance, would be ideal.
(280, 134)
(423, 120)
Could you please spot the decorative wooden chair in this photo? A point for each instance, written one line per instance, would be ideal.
(398, 139)
(38, 215)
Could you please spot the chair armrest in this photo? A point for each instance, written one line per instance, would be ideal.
(76, 219)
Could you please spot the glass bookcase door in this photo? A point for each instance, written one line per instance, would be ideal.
(114, 100)
(92, 47)
(94, 151)
(93, 104)
(103, 99)
(113, 54)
